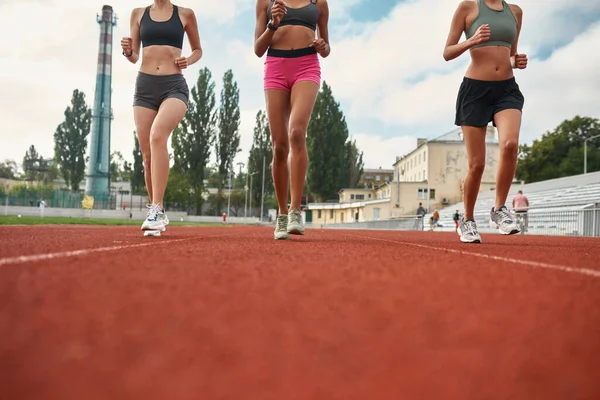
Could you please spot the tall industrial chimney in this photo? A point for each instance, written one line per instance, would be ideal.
(98, 169)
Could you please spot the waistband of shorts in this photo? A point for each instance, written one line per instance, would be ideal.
(160, 78)
(489, 83)
(295, 53)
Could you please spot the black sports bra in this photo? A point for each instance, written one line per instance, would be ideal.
(165, 33)
(307, 16)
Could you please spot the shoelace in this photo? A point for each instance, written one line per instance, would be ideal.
(281, 222)
(471, 228)
(504, 216)
(295, 216)
(153, 211)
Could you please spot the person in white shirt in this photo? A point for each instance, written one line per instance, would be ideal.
(42, 205)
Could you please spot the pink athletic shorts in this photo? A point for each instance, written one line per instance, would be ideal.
(283, 68)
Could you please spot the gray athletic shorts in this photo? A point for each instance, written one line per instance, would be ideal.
(152, 90)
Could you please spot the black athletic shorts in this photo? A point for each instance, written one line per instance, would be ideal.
(152, 90)
(478, 101)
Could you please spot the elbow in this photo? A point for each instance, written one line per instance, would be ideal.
(446, 55)
(258, 51)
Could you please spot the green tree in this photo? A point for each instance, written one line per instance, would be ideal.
(193, 140)
(327, 136)
(237, 202)
(261, 148)
(9, 169)
(116, 165)
(126, 171)
(31, 163)
(354, 165)
(228, 140)
(70, 140)
(177, 194)
(560, 152)
(137, 174)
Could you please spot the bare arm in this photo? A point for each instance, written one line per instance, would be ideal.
(134, 27)
(518, 13)
(454, 49)
(191, 28)
(262, 35)
(323, 25)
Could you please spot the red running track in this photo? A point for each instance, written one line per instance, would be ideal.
(229, 313)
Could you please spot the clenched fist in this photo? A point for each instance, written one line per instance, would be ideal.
(126, 46)
(520, 61)
(321, 46)
(482, 35)
(181, 62)
(277, 12)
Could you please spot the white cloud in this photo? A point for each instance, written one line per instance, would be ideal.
(381, 152)
(393, 71)
(41, 67)
(373, 72)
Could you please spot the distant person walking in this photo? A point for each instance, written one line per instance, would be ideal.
(161, 92)
(520, 205)
(42, 205)
(456, 218)
(421, 216)
(435, 218)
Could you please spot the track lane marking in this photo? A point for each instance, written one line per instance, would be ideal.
(534, 264)
(82, 252)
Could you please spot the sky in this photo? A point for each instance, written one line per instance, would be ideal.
(386, 68)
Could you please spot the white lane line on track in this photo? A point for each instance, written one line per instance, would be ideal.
(82, 252)
(534, 264)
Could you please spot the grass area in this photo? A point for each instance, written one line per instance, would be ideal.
(13, 220)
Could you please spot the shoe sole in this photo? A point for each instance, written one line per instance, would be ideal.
(295, 232)
(496, 226)
(465, 240)
(281, 237)
(152, 233)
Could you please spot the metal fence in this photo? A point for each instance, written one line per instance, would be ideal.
(404, 223)
(66, 199)
(582, 222)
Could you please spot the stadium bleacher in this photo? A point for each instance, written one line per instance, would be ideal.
(554, 206)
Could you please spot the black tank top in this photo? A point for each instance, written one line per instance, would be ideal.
(166, 33)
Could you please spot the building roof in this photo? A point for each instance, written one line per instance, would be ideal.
(345, 205)
(377, 170)
(454, 136)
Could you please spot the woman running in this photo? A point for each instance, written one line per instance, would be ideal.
(161, 92)
(291, 83)
(488, 93)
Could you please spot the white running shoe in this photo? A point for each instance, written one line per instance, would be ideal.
(504, 221)
(467, 230)
(155, 219)
(281, 231)
(294, 224)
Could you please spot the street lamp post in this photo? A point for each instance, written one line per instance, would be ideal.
(262, 195)
(241, 165)
(229, 195)
(585, 152)
(250, 195)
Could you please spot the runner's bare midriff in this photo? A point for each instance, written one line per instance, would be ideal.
(160, 60)
(292, 37)
(490, 64)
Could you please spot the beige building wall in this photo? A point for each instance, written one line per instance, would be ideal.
(347, 195)
(445, 164)
(449, 166)
(347, 213)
